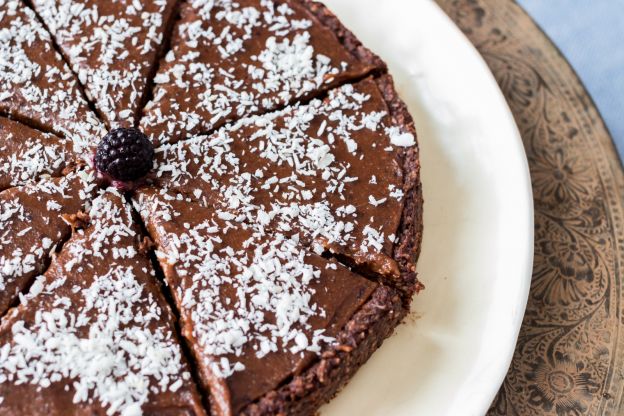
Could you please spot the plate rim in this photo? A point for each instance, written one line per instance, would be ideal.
(516, 140)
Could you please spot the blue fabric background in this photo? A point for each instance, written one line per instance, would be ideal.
(590, 33)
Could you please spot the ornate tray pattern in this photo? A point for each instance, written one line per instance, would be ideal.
(570, 355)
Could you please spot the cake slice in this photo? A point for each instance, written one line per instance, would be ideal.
(256, 309)
(34, 220)
(113, 46)
(27, 153)
(339, 173)
(231, 59)
(36, 86)
(94, 335)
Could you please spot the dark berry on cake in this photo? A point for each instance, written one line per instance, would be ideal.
(124, 155)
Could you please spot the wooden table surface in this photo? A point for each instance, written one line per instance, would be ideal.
(570, 355)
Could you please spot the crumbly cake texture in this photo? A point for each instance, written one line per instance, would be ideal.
(408, 238)
(94, 334)
(283, 214)
(363, 334)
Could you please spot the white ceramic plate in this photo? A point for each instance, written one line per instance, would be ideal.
(451, 355)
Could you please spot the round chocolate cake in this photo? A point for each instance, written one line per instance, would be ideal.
(206, 207)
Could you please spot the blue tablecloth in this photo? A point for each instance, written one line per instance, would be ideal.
(590, 33)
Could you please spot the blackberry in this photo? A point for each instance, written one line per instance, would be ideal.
(124, 155)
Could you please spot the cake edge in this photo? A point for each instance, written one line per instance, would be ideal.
(407, 246)
(351, 43)
(363, 334)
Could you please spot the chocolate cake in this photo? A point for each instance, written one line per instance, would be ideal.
(269, 249)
